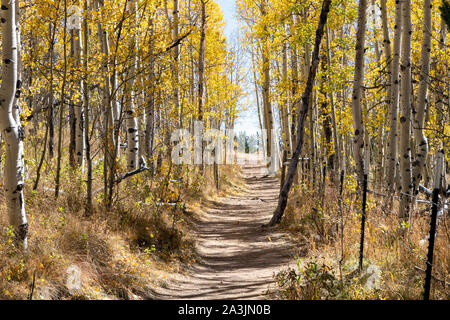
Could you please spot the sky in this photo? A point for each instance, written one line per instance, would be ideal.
(248, 120)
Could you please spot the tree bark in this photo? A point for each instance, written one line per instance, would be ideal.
(78, 105)
(285, 105)
(358, 141)
(86, 112)
(419, 121)
(132, 122)
(392, 157)
(267, 106)
(176, 54)
(405, 119)
(201, 74)
(150, 110)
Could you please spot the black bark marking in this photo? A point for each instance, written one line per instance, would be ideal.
(21, 133)
(22, 231)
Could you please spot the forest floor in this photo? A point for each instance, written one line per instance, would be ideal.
(237, 259)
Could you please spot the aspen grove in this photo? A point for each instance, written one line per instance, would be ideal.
(127, 148)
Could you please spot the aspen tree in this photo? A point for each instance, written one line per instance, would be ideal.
(258, 104)
(294, 86)
(62, 105)
(358, 142)
(337, 156)
(392, 157)
(86, 111)
(294, 67)
(51, 112)
(201, 71)
(405, 119)
(132, 122)
(150, 108)
(176, 58)
(285, 105)
(419, 119)
(267, 106)
(10, 127)
(75, 26)
(105, 87)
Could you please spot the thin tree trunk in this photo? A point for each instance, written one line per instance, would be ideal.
(201, 71)
(61, 107)
(285, 105)
(258, 104)
(294, 66)
(268, 113)
(176, 58)
(108, 143)
(405, 119)
(419, 121)
(392, 157)
(150, 110)
(282, 201)
(50, 119)
(78, 106)
(337, 156)
(358, 141)
(132, 122)
(86, 112)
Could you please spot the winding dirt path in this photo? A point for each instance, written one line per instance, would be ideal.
(237, 257)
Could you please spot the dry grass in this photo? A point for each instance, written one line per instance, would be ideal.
(122, 252)
(397, 256)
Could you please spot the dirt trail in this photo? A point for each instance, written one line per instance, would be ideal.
(237, 257)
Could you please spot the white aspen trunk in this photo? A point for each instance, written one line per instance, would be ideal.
(106, 99)
(358, 142)
(201, 62)
(419, 121)
(150, 108)
(285, 105)
(258, 104)
(88, 208)
(294, 66)
(11, 130)
(267, 106)
(386, 41)
(16, 106)
(176, 54)
(405, 119)
(388, 61)
(294, 87)
(78, 106)
(132, 123)
(392, 157)
(377, 150)
(201, 74)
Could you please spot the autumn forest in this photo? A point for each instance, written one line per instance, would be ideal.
(148, 153)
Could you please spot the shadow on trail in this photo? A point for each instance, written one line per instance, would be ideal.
(238, 259)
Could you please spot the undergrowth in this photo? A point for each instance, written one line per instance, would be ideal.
(328, 267)
(121, 252)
